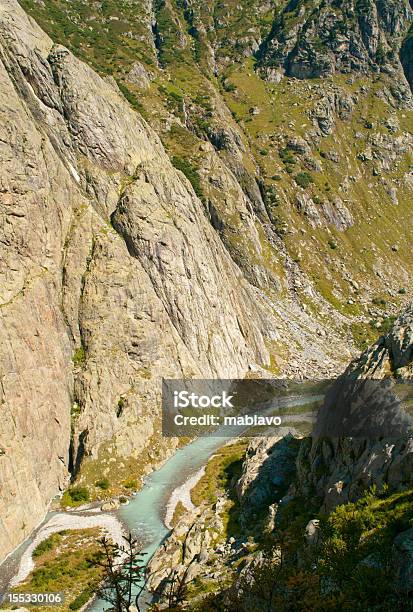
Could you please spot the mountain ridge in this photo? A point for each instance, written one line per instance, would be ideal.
(168, 172)
(102, 236)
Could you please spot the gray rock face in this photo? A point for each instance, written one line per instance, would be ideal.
(339, 469)
(335, 103)
(348, 36)
(138, 75)
(152, 293)
(266, 472)
(325, 213)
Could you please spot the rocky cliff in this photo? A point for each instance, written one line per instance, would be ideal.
(313, 39)
(264, 244)
(112, 276)
(339, 469)
(107, 259)
(306, 180)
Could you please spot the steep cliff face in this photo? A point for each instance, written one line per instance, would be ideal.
(337, 470)
(112, 277)
(313, 39)
(107, 258)
(306, 182)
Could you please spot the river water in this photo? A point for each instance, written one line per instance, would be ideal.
(144, 516)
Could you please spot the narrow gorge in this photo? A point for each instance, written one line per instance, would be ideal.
(204, 191)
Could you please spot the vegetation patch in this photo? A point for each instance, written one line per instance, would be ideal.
(66, 562)
(304, 179)
(219, 472)
(76, 496)
(79, 356)
(350, 568)
(191, 174)
(103, 483)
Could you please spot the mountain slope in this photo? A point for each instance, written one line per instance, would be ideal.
(112, 277)
(75, 155)
(306, 523)
(266, 243)
(300, 212)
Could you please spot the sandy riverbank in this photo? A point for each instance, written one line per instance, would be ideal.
(182, 494)
(60, 522)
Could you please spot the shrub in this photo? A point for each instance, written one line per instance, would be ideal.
(103, 483)
(191, 174)
(229, 86)
(46, 545)
(381, 56)
(80, 600)
(271, 195)
(79, 494)
(287, 157)
(304, 179)
(131, 484)
(203, 124)
(79, 356)
(387, 324)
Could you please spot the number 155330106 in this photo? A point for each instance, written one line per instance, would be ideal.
(35, 599)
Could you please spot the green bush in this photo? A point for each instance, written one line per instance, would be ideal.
(229, 86)
(271, 195)
(80, 600)
(131, 484)
(46, 545)
(103, 483)
(77, 495)
(381, 56)
(387, 324)
(304, 179)
(79, 356)
(378, 301)
(287, 157)
(203, 124)
(191, 174)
